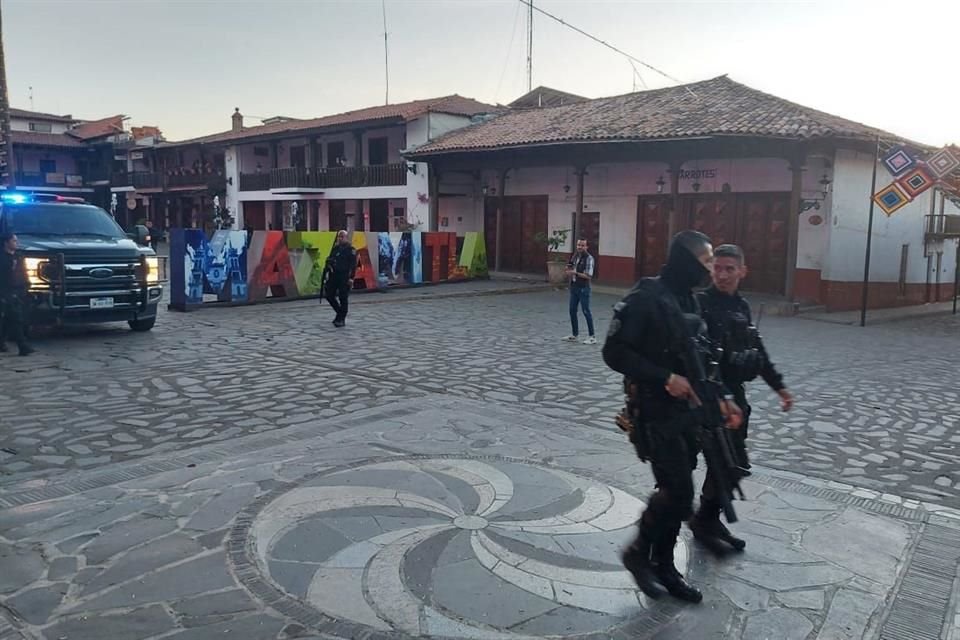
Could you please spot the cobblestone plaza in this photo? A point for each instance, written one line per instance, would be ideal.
(447, 467)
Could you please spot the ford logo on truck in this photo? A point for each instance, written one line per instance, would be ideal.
(101, 273)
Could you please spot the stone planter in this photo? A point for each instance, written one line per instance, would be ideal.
(556, 272)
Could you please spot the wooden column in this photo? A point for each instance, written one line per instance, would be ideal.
(580, 172)
(433, 193)
(275, 220)
(793, 224)
(501, 188)
(674, 222)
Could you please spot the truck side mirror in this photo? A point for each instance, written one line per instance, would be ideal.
(141, 235)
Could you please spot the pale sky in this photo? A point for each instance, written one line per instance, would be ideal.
(184, 65)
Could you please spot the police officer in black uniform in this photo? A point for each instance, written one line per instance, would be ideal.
(13, 290)
(341, 267)
(730, 325)
(647, 343)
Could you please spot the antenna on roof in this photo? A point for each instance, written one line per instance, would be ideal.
(386, 53)
(626, 55)
(31, 97)
(530, 46)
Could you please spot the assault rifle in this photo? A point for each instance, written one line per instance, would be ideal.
(718, 449)
(325, 280)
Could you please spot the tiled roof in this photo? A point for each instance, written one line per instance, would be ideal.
(714, 107)
(45, 139)
(545, 97)
(456, 105)
(98, 128)
(38, 115)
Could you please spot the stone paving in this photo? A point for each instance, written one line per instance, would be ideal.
(449, 468)
(441, 518)
(877, 406)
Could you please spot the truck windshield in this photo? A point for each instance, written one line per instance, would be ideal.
(61, 220)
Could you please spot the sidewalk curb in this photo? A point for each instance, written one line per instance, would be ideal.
(369, 296)
(889, 318)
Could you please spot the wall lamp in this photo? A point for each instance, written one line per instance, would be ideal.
(806, 204)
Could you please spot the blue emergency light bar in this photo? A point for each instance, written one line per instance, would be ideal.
(13, 198)
(22, 198)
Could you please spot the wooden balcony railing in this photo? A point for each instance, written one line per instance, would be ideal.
(385, 175)
(254, 182)
(36, 179)
(138, 180)
(212, 180)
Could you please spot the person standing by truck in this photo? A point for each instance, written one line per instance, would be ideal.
(13, 287)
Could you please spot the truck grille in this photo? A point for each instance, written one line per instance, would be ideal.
(88, 277)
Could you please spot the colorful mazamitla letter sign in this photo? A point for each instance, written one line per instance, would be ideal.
(891, 199)
(236, 267)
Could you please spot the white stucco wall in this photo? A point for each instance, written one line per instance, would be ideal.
(418, 131)
(23, 124)
(461, 207)
(848, 228)
(441, 123)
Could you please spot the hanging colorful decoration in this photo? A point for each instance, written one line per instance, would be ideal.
(942, 163)
(915, 182)
(899, 160)
(891, 199)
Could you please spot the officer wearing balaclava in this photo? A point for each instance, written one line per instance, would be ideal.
(646, 344)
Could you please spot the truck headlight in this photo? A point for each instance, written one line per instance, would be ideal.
(34, 266)
(153, 270)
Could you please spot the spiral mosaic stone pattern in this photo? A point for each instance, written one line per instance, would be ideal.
(455, 547)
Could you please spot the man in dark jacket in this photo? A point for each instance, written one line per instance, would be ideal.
(648, 343)
(730, 325)
(13, 288)
(341, 267)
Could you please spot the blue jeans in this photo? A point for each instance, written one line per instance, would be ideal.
(580, 296)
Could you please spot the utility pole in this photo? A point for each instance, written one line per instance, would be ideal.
(386, 52)
(4, 116)
(529, 45)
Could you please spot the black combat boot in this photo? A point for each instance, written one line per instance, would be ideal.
(709, 531)
(636, 559)
(666, 571)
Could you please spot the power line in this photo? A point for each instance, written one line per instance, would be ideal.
(506, 60)
(666, 75)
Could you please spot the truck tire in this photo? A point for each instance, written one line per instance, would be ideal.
(144, 324)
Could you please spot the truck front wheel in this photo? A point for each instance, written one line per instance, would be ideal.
(144, 324)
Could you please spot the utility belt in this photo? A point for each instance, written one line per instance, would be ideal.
(631, 419)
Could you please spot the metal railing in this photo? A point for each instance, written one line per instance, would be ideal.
(943, 225)
(138, 179)
(254, 182)
(383, 175)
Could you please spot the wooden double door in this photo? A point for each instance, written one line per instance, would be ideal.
(757, 222)
(522, 219)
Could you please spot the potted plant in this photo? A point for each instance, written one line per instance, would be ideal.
(556, 264)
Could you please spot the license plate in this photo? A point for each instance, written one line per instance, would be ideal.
(101, 303)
